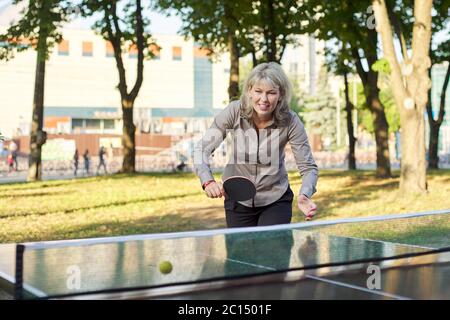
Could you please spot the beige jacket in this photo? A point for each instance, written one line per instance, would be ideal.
(258, 154)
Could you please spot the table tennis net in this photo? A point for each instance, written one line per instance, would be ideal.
(65, 268)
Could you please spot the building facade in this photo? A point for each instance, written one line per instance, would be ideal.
(81, 93)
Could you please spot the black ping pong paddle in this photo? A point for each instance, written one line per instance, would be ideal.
(239, 188)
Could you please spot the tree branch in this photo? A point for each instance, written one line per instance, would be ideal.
(443, 94)
(115, 41)
(398, 31)
(384, 27)
(359, 68)
(283, 47)
(140, 48)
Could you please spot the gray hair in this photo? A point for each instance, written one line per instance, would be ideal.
(273, 74)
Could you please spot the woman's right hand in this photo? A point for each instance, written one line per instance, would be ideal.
(214, 190)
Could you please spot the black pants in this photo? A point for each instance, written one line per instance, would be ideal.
(279, 212)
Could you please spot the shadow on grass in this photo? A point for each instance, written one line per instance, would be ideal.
(345, 197)
(104, 205)
(36, 194)
(359, 188)
(169, 175)
(14, 186)
(205, 218)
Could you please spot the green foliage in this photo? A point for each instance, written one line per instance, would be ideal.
(338, 57)
(38, 28)
(382, 66)
(275, 23)
(365, 118)
(120, 18)
(297, 94)
(209, 23)
(319, 110)
(441, 53)
(262, 28)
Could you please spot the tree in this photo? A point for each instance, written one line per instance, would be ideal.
(441, 54)
(262, 29)
(402, 20)
(349, 107)
(124, 28)
(347, 22)
(338, 61)
(320, 110)
(274, 25)
(410, 83)
(217, 25)
(38, 28)
(342, 66)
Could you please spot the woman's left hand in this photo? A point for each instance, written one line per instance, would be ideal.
(307, 206)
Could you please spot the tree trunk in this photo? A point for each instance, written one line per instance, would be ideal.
(410, 88)
(351, 137)
(128, 138)
(233, 88)
(413, 168)
(272, 41)
(433, 159)
(127, 99)
(38, 136)
(435, 125)
(371, 93)
(254, 60)
(381, 126)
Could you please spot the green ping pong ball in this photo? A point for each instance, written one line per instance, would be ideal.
(165, 267)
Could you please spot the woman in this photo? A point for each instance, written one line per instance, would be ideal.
(261, 124)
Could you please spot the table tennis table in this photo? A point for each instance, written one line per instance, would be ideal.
(295, 261)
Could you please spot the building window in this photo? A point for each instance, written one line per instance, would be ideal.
(109, 49)
(156, 51)
(108, 124)
(92, 124)
(201, 52)
(87, 49)
(63, 48)
(176, 53)
(133, 52)
(77, 124)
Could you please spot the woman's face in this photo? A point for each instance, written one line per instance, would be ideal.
(264, 98)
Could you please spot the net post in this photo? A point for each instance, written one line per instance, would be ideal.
(18, 285)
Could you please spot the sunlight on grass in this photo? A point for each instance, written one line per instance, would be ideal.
(153, 203)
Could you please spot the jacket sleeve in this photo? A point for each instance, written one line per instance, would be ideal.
(303, 157)
(212, 138)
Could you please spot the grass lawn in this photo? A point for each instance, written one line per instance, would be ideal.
(154, 203)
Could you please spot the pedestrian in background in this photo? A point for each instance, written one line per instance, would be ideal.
(101, 160)
(76, 157)
(86, 158)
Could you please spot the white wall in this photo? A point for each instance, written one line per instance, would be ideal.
(77, 81)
